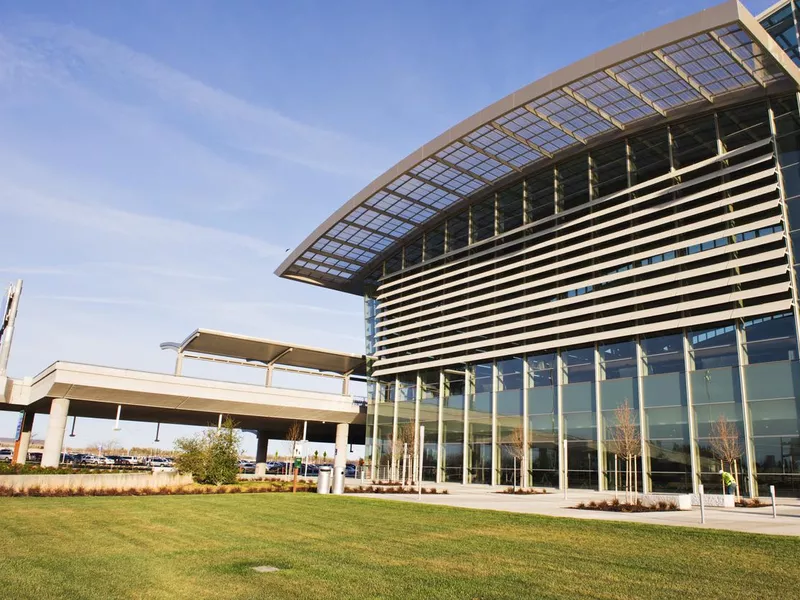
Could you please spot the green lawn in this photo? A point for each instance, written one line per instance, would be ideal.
(341, 547)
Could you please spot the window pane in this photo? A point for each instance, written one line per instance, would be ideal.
(458, 232)
(573, 182)
(649, 156)
(693, 141)
(663, 354)
(434, 242)
(609, 170)
(509, 208)
(541, 196)
(483, 220)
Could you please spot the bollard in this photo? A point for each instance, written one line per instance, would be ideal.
(774, 506)
(702, 505)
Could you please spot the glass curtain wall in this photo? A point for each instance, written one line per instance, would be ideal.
(405, 446)
(511, 443)
(619, 398)
(453, 399)
(666, 414)
(772, 389)
(384, 438)
(579, 423)
(479, 439)
(542, 420)
(429, 418)
(716, 393)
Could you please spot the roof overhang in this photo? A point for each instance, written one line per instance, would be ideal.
(715, 57)
(269, 352)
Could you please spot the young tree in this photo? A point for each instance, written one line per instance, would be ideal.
(211, 456)
(726, 445)
(405, 449)
(294, 434)
(316, 456)
(518, 449)
(628, 444)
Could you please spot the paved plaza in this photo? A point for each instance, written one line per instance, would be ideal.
(751, 520)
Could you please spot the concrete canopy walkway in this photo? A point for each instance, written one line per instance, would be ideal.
(71, 389)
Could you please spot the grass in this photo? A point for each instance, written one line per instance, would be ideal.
(198, 547)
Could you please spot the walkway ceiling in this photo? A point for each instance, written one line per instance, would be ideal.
(708, 59)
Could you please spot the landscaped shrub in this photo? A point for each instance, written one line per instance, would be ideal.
(750, 503)
(522, 491)
(211, 456)
(370, 489)
(635, 507)
(26, 469)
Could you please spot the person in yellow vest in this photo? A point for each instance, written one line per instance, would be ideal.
(728, 483)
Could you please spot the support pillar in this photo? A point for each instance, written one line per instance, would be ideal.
(262, 443)
(179, 364)
(340, 457)
(24, 441)
(54, 442)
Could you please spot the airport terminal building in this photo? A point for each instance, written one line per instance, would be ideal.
(624, 230)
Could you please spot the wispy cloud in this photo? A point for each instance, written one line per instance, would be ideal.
(95, 300)
(124, 224)
(67, 55)
(36, 270)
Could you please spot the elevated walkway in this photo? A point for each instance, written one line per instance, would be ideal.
(96, 391)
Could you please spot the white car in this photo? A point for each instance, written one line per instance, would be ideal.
(91, 459)
(6, 454)
(157, 461)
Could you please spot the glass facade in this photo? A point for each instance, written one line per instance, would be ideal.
(657, 271)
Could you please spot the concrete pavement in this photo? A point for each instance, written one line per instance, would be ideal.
(750, 520)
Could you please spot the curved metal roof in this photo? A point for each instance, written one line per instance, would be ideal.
(244, 347)
(713, 57)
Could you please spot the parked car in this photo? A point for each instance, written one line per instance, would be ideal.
(67, 459)
(124, 460)
(6, 454)
(157, 461)
(350, 470)
(93, 459)
(247, 466)
(34, 457)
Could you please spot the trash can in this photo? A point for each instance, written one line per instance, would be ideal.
(338, 480)
(324, 480)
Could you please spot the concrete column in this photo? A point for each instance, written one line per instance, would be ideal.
(262, 444)
(24, 441)
(179, 364)
(59, 408)
(340, 457)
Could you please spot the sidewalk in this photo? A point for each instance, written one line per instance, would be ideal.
(750, 520)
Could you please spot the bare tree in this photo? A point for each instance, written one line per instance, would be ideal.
(518, 450)
(294, 434)
(107, 447)
(726, 445)
(628, 444)
(405, 450)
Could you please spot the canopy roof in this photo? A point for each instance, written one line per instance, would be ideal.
(712, 58)
(231, 345)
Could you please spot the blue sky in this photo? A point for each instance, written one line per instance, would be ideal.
(157, 159)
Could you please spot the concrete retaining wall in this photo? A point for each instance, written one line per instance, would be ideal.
(95, 481)
(725, 501)
(683, 501)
